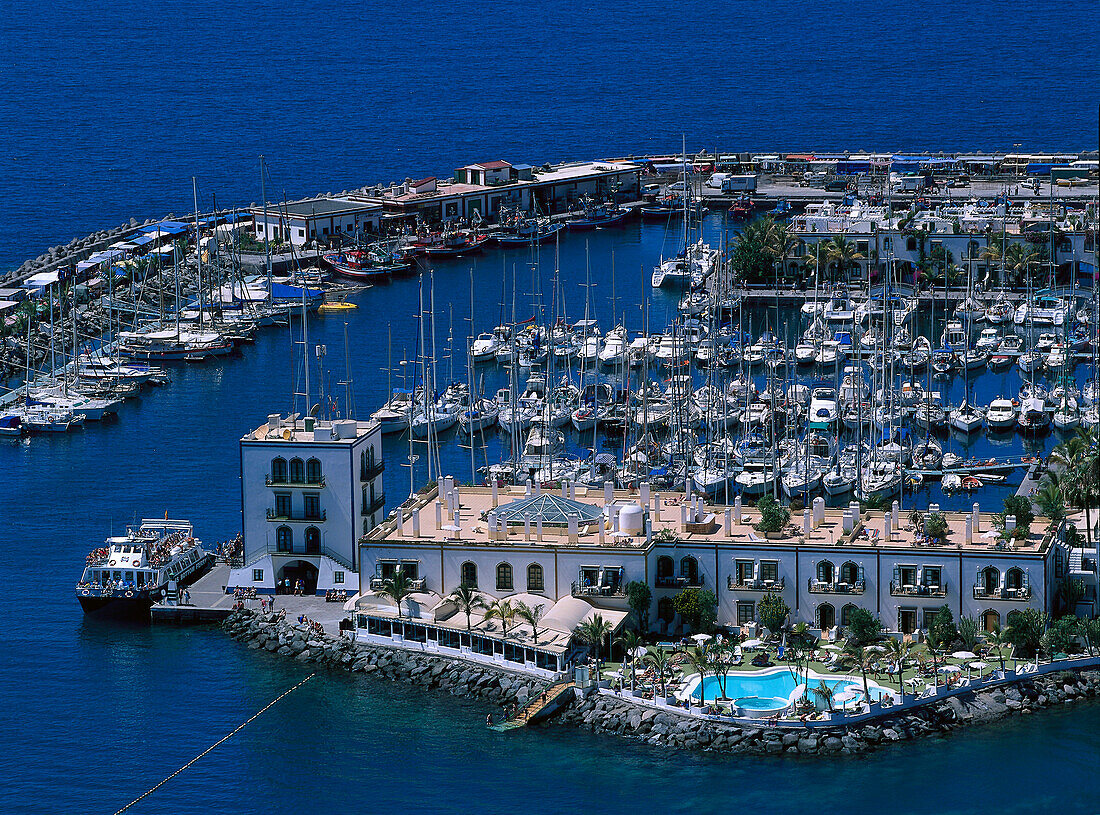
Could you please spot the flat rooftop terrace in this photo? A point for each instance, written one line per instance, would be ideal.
(665, 511)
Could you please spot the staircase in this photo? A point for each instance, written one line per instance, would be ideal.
(541, 707)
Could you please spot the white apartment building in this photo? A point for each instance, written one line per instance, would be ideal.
(309, 489)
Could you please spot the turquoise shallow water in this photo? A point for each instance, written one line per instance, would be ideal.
(106, 112)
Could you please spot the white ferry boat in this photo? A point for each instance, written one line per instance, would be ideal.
(131, 572)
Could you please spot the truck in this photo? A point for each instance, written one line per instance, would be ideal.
(728, 182)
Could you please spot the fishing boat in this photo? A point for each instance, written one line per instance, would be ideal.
(593, 215)
(131, 572)
(363, 264)
(455, 243)
(520, 229)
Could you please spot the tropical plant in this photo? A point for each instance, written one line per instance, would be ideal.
(721, 659)
(899, 651)
(844, 253)
(397, 588)
(639, 597)
(1020, 506)
(629, 642)
(772, 611)
(1080, 457)
(698, 607)
(1090, 630)
(504, 611)
(935, 527)
(863, 627)
(659, 660)
(1051, 501)
(798, 649)
(861, 659)
(531, 615)
(1025, 631)
(773, 515)
(1071, 591)
(467, 599)
(1061, 636)
(998, 640)
(696, 657)
(823, 693)
(968, 632)
(942, 632)
(592, 632)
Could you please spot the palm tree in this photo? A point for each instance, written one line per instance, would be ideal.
(998, 640)
(629, 641)
(781, 242)
(531, 615)
(593, 632)
(658, 660)
(859, 657)
(843, 253)
(1051, 501)
(396, 588)
(824, 694)
(467, 600)
(899, 651)
(697, 658)
(1080, 480)
(504, 611)
(816, 258)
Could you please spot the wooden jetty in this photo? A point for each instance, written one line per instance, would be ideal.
(556, 697)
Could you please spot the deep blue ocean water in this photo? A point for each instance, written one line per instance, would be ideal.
(106, 113)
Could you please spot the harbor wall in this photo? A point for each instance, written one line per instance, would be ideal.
(623, 715)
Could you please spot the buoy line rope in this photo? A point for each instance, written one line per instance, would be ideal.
(218, 743)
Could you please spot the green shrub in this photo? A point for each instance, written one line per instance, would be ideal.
(943, 631)
(773, 515)
(772, 612)
(863, 627)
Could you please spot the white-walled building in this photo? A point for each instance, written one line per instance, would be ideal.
(316, 219)
(590, 544)
(309, 489)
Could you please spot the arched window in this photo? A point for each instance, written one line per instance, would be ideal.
(284, 539)
(689, 570)
(297, 471)
(849, 573)
(313, 471)
(1014, 578)
(990, 579)
(278, 470)
(534, 578)
(911, 244)
(504, 577)
(825, 616)
(1012, 616)
(469, 574)
(825, 571)
(991, 621)
(313, 541)
(665, 567)
(846, 614)
(666, 610)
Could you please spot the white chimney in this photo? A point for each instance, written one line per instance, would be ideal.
(969, 528)
(527, 527)
(538, 528)
(608, 492)
(400, 522)
(737, 510)
(527, 491)
(643, 494)
(819, 511)
(976, 514)
(729, 522)
(807, 521)
(496, 495)
(416, 522)
(438, 514)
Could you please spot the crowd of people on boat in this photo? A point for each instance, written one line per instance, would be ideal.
(232, 551)
(336, 595)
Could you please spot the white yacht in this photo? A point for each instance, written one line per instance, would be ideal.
(1001, 414)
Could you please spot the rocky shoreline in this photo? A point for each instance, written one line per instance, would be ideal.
(602, 713)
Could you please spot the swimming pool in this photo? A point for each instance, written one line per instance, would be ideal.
(771, 691)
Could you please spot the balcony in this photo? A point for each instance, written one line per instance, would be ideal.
(375, 505)
(373, 471)
(910, 590)
(733, 584)
(1002, 593)
(836, 586)
(378, 582)
(674, 582)
(282, 483)
(578, 590)
(275, 516)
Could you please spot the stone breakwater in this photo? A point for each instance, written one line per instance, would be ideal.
(665, 727)
(287, 638)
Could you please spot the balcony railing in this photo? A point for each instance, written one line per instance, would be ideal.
(370, 472)
(733, 584)
(416, 583)
(913, 590)
(671, 581)
(284, 483)
(579, 590)
(375, 505)
(1002, 593)
(276, 516)
(836, 586)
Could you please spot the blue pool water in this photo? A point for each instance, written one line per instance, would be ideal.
(107, 110)
(770, 690)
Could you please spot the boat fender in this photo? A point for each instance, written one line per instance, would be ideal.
(113, 563)
(85, 593)
(129, 594)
